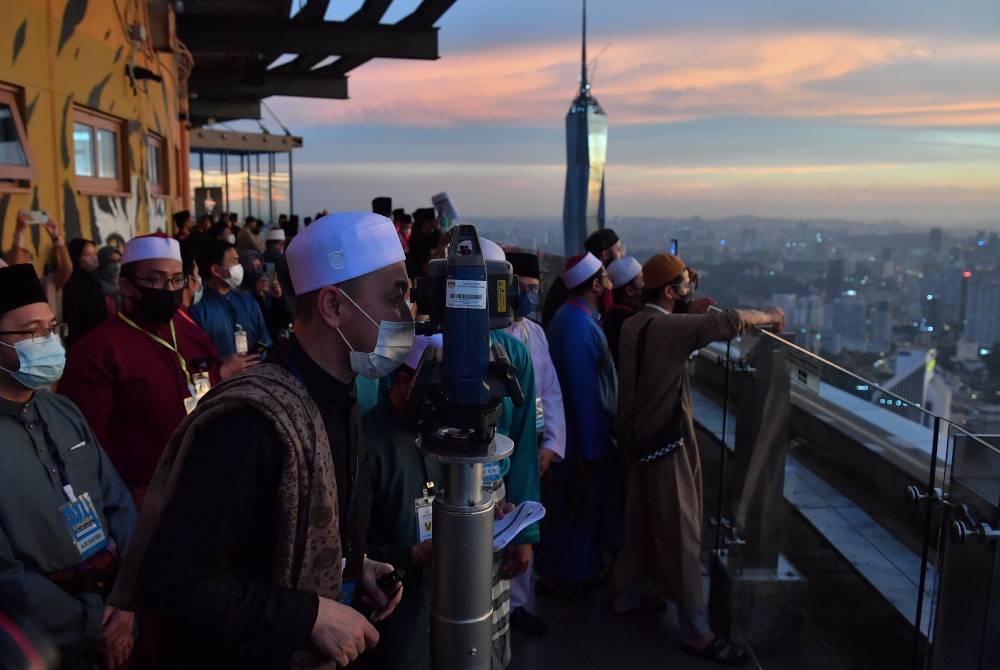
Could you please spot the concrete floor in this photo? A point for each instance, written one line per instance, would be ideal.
(586, 635)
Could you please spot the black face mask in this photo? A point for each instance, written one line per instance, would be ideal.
(158, 305)
(682, 304)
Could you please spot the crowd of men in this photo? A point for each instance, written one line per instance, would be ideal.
(207, 449)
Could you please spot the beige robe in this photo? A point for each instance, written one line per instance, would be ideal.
(663, 499)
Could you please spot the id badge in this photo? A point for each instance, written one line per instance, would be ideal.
(84, 526)
(202, 384)
(491, 473)
(190, 403)
(240, 340)
(539, 416)
(425, 517)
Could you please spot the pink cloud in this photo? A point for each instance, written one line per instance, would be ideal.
(656, 79)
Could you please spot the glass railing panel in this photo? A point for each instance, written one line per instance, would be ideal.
(847, 538)
(966, 602)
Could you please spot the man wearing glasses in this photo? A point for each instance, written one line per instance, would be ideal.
(136, 376)
(65, 515)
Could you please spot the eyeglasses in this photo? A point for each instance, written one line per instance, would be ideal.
(40, 334)
(162, 281)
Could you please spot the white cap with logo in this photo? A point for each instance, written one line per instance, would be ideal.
(341, 246)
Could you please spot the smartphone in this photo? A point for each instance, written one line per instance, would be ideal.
(37, 217)
(269, 271)
(389, 584)
(674, 247)
(259, 348)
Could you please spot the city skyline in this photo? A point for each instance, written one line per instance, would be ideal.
(851, 111)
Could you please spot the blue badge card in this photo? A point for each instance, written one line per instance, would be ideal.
(84, 526)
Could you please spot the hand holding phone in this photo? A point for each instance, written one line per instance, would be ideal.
(35, 217)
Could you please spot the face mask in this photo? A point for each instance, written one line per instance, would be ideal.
(199, 292)
(111, 271)
(682, 304)
(89, 263)
(158, 305)
(231, 239)
(395, 338)
(235, 277)
(41, 363)
(527, 305)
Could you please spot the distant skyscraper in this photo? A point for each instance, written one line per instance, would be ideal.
(935, 240)
(586, 151)
(835, 270)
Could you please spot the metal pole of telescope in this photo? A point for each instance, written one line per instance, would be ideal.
(462, 603)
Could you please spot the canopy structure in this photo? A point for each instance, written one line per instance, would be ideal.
(248, 50)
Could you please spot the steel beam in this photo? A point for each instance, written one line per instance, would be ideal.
(235, 34)
(210, 82)
(225, 109)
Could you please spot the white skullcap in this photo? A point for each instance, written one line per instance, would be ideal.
(421, 342)
(581, 269)
(624, 270)
(341, 246)
(151, 247)
(491, 250)
(274, 235)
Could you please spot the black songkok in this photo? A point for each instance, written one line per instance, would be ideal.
(19, 286)
(600, 240)
(525, 264)
(383, 206)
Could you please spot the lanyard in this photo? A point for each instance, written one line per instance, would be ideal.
(53, 450)
(160, 340)
(187, 318)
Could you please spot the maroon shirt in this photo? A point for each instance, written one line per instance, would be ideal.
(131, 389)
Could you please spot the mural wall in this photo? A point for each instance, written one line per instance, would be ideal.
(67, 54)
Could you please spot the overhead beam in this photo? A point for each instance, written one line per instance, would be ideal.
(370, 13)
(426, 14)
(231, 140)
(225, 109)
(215, 81)
(319, 38)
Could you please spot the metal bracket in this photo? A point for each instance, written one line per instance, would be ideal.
(967, 525)
(914, 496)
(732, 535)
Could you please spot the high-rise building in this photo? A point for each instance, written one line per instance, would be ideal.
(586, 151)
(982, 316)
(881, 334)
(835, 270)
(934, 242)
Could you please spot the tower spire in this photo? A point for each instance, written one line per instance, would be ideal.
(584, 84)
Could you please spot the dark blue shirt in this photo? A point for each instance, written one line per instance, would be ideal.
(218, 315)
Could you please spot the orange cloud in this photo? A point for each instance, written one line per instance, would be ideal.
(656, 79)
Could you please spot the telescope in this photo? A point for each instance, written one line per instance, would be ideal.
(457, 394)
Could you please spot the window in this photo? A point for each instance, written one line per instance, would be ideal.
(15, 158)
(98, 150)
(156, 165)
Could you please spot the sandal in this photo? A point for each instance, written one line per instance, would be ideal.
(720, 650)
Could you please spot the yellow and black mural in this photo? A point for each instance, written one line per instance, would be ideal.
(98, 89)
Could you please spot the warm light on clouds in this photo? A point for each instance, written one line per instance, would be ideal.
(657, 79)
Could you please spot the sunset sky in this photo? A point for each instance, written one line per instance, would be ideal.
(857, 109)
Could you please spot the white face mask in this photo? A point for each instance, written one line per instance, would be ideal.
(199, 293)
(395, 338)
(231, 239)
(235, 277)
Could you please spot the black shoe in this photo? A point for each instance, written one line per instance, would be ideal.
(525, 622)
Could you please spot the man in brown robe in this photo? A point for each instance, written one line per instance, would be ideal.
(663, 509)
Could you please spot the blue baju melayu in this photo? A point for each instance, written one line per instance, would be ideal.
(576, 493)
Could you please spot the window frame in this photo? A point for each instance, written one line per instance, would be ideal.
(161, 189)
(98, 121)
(13, 177)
